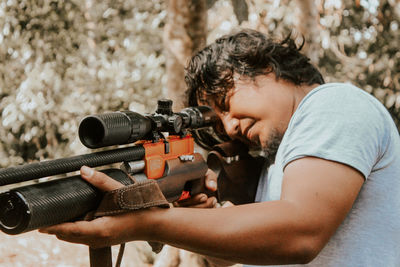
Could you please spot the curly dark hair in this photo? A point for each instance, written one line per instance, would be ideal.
(210, 73)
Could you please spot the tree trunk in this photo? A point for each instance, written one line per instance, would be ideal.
(185, 32)
(308, 26)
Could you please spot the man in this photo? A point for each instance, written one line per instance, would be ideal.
(332, 196)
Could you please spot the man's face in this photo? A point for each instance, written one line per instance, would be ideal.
(258, 112)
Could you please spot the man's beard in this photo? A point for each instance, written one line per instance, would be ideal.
(270, 148)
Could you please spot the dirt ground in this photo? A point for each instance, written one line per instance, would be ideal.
(40, 250)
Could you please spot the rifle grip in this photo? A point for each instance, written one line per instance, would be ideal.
(199, 186)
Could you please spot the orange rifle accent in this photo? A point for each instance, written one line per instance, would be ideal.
(155, 156)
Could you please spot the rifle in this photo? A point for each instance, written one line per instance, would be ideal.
(162, 154)
(170, 161)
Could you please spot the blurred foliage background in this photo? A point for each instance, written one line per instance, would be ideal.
(61, 60)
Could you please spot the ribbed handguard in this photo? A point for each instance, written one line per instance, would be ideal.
(36, 206)
(37, 170)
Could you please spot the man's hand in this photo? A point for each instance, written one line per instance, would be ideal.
(202, 200)
(111, 230)
(101, 232)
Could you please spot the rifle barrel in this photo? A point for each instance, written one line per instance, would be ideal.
(37, 170)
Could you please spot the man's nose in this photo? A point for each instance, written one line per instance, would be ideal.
(231, 125)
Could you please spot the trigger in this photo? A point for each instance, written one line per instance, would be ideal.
(185, 195)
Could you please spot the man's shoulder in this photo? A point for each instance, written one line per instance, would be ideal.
(341, 123)
(327, 95)
(334, 101)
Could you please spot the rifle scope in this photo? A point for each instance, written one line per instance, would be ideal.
(124, 127)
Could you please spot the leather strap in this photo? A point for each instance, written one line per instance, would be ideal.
(140, 195)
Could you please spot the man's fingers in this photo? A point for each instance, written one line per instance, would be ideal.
(210, 203)
(99, 179)
(197, 201)
(83, 232)
(227, 204)
(211, 180)
(194, 200)
(70, 231)
(77, 228)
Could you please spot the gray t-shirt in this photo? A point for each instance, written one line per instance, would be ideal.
(342, 123)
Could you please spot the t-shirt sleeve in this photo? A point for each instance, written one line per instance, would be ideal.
(336, 124)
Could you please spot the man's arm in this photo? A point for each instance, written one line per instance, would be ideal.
(316, 196)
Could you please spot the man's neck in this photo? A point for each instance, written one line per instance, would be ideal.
(299, 93)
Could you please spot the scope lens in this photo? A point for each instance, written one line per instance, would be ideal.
(91, 131)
